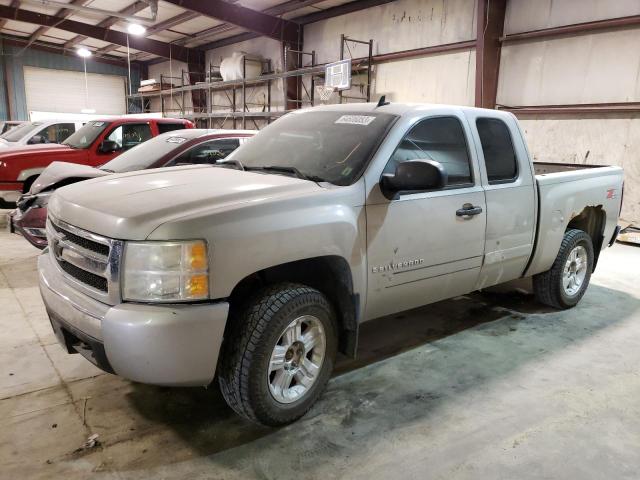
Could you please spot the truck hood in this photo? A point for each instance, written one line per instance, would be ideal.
(15, 149)
(58, 172)
(130, 206)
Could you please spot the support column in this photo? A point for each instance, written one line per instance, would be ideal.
(490, 25)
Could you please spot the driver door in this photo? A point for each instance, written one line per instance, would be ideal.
(420, 248)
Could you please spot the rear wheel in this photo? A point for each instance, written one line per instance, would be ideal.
(564, 284)
(279, 354)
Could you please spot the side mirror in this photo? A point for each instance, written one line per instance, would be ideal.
(414, 176)
(36, 139)
(109, 146)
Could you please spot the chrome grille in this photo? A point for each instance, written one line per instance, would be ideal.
(88, 261)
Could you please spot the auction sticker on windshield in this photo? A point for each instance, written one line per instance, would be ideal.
(176, 140)
(356, 119)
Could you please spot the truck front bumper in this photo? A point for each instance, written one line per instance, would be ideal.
(171, 345)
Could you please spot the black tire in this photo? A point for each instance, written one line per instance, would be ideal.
(548, 286)
(246, 352)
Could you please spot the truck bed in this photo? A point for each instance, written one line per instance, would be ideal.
(543, 168)
(564, 191)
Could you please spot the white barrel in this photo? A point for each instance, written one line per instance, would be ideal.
(231, 67)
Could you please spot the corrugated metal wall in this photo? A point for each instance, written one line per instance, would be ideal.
(15, 60)
(599, 67)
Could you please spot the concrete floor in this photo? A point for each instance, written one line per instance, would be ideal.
(484, 386)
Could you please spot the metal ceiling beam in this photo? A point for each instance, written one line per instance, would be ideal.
(302, 20)
(172, 22)
(62, 13)
(112, 36)
(109, 22)
(576, 29)
(59, 49)
(339, 10)
(258, 22)
(158, 27)
(14, 4)
(280, 9)
(574, 109)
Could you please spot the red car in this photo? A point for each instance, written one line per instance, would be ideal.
(97, 142)
(171, 149)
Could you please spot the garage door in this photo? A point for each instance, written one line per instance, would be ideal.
(62, 91)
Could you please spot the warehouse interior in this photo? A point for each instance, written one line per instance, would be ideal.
(478, 384)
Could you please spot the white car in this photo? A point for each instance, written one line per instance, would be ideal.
(8, 125)
(30, 133)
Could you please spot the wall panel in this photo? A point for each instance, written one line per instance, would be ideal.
(395, 26)
(594, 140)
(447, 78)
(595, 68)
(527, 15)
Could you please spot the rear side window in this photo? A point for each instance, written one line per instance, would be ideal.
(497, 147)
(170, 127)
(208, 152)
(130, 134)
(441, 139)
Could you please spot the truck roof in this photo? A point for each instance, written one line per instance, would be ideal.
(404, 108)
(129, 119)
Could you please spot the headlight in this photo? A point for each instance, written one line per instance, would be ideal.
(165, 271)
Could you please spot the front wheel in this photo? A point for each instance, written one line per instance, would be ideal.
(279, 354)
(564, 284)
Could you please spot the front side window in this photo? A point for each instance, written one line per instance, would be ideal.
(129, 135)
(208, 152)
(57, 133)
(497, 148)
(440, 139)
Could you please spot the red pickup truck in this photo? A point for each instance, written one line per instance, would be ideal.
(97, 142)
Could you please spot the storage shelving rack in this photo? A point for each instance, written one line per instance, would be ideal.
(239, 109)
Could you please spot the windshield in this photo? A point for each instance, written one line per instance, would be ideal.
(326, 146)
(144, 155)
(21, 131)
(84, 137)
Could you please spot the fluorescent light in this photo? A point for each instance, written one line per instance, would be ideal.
(135, 29)
(84, 52)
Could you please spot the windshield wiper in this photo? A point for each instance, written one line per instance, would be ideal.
(108, 170)
(291, 170)
(235, 163)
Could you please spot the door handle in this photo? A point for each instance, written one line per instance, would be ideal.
(468, 210)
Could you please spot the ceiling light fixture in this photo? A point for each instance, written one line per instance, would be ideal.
(84, 52)
(136, 29)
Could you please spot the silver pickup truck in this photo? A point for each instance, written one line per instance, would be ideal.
(260, 270)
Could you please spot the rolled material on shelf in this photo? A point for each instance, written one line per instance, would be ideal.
(231, 68)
